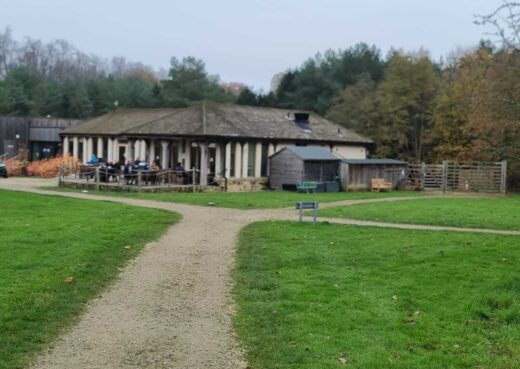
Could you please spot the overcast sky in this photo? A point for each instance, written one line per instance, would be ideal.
(245, 40)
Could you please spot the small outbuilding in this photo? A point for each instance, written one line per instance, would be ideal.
(297, 164)
(356, 174)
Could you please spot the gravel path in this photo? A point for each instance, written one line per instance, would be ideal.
(172, 306)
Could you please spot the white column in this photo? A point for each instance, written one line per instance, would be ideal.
(258, 159)
(65, 146)
(218, 160)
(90, 147)
(238, 160)
(152, 152)
(142, 151)
(203, 163)
(164, 155)
(115, 150)
(110, 149)
(75, 147)
(227, 168)
(136, 151)
(100, 152)
(129, 154)
(187, 155)
(245, 159)
(85, 150)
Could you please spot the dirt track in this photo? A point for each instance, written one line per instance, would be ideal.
(172, 306)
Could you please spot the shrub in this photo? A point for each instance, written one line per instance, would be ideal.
(51, 167)
(15, 167)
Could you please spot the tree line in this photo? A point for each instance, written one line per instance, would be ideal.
(414, 108)
(57, 79)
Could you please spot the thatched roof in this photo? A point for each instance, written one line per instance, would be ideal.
(214, 120)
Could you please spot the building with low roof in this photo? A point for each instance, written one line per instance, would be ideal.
(40, 136)
(295, 164)
(233, 141)
(356, 174)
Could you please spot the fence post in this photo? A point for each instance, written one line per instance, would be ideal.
(96, 176)
(444, 176)
(193, 179)
(423, 175)
(503, 176)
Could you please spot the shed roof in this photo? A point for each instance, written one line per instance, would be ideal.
(373, 161)
(210, 119)
(311, 153)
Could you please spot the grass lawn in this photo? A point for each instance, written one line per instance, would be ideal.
(44, 240)
(334, 296)
(498, 213)
(245, 200)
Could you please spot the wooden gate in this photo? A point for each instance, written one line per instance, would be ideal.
(456, 176)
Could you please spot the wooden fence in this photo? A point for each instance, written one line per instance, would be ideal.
(97, 178)
(455, 176)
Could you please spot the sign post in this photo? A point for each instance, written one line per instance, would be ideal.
(304, 205)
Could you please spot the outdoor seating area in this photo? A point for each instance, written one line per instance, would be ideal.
(132, 176)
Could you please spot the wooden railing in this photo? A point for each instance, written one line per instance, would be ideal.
(136, 178)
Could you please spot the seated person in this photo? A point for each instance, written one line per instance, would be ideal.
(142, 165)
(93, 160)
(128, 169)
(154, 167)
(179, 168)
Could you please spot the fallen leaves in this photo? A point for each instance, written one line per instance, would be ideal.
(69, 279)
(342, 359)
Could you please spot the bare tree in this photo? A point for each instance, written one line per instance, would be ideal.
(506, 21)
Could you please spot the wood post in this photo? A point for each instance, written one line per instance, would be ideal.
(203, 163)
(423, 175)
(444, 176)
(503, 176)
(97, 178)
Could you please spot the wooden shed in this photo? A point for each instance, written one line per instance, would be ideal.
(357, 173)
(297, 164)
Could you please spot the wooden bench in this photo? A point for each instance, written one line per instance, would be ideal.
(307, 186)
(379, 184)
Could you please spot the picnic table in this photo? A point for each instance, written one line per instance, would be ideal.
(307, 187)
